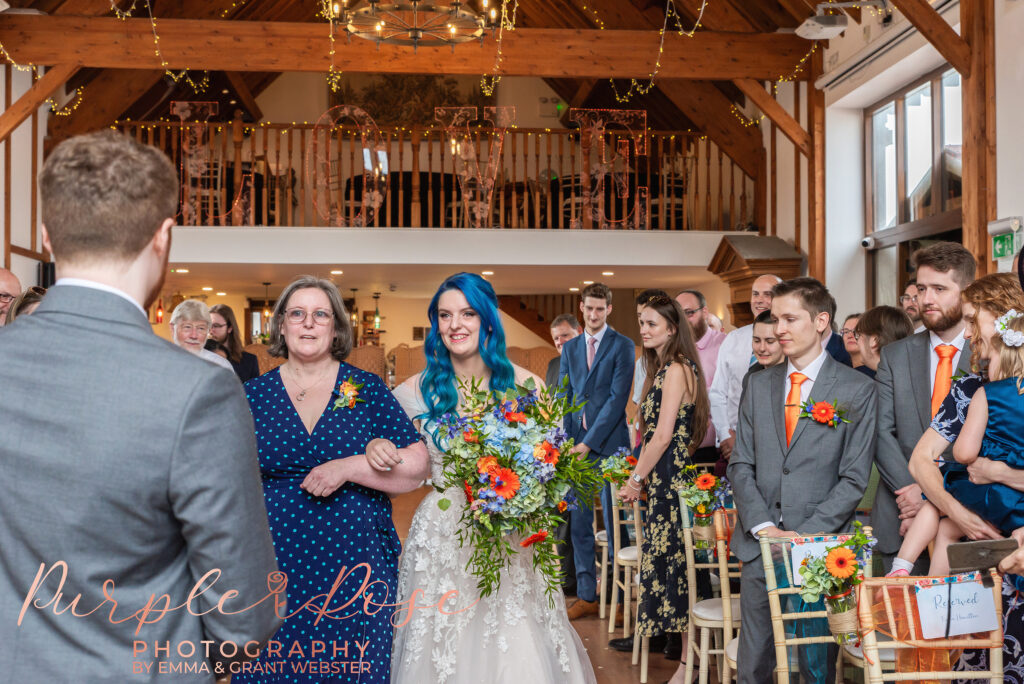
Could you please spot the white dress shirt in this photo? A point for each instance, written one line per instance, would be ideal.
(724, 394)
(933, 358)
(93, 285)
(811, 373)
(639, 378)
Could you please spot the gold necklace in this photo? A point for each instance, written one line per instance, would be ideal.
(302, 395)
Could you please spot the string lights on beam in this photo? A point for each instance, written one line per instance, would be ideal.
(748, 122)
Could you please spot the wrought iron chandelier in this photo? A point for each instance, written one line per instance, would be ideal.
(415, 23)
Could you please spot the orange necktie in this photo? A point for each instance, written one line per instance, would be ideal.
(793, 404)
(943, 375)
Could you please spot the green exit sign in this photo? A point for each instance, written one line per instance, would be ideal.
(1002, 246)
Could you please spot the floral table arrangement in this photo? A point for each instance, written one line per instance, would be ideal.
(704, 494)
(834, 576)
(509, 455)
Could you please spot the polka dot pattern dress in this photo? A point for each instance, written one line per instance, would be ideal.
(317, 539)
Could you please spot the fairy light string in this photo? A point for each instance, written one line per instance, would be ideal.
(71, 105)
(488, 83)
(747, 121)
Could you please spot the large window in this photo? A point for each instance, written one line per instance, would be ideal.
(913, 148)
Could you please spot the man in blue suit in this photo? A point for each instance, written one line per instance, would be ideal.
(599, 365)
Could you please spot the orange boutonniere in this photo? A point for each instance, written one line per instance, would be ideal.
(823, 412)
(348, 394)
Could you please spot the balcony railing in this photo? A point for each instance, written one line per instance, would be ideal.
(304, 175)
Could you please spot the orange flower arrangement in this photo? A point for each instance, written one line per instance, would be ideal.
(631, 460)
(469, 491)
(706, 482)
(505, 482)
(841, 562)
(547, 453)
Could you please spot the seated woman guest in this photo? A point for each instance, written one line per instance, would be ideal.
(320, 423)
(673, 418)
(190, 323)
(25, 303)
(876, 328)
(228, 343)
(984, 300)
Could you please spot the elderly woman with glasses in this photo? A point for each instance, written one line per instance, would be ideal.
(333, 445)
(190, 324)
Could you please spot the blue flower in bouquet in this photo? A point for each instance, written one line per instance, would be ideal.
(527, 400)
(488, 493)
(524, 457)
(545, 472)
(556, 437)
(493, 505)
(483, 478)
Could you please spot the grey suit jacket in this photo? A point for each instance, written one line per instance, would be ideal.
(133, 461)
(904, 413)
(814, 485)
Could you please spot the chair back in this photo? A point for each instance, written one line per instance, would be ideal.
(264, 360)
(370, 358)
(888, 604)
(407, 361)
(718, 559)
(794, 621)
(618, 515)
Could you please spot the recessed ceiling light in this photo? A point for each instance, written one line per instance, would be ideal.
(221, 294)
(225, 91)
(337, 272)
(588, 282)
(233, 102)
(487, 272)
(179, 270)
(607, 273)
(207, 289)
(574, 289)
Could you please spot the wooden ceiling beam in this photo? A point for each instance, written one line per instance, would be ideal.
(245, 95)
(709, 110)
(106, 96)
(286, 46)
(55, 77)
(776, 113)
(939, 33)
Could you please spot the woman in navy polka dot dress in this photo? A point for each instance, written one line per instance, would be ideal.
(333, 443)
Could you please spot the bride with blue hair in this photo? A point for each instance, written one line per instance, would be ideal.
(512, 635)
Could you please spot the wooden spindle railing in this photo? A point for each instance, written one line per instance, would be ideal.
(264, 175)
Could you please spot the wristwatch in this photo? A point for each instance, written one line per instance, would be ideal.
(633, 476)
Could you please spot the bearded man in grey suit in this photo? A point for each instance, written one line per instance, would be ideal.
(130, 490)
(914, 376)
(794, 476)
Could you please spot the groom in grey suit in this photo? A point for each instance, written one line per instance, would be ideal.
(129, 471)
(793, 476)
(914, 376)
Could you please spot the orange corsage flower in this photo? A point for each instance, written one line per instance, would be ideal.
(841, 562)
(706, 481)
(534, 538)
(823, 412)
(468, 490)
(505, 482)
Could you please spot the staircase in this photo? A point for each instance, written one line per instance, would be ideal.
(537, 311)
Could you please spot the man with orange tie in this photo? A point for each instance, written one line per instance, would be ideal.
(793, 474)
(914, 376)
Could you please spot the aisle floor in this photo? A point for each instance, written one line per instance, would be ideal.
(611, 667)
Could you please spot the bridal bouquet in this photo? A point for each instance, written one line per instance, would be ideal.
(509, 456)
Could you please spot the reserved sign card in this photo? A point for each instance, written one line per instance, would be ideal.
(969, 605)
(812, 547)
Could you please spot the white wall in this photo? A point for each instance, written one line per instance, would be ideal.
(21, 142)
(1009, 23)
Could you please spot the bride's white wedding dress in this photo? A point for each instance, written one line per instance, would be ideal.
(513, 635)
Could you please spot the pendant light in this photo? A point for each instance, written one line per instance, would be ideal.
(376, 313)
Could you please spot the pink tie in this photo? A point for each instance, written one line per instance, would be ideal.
(591, 352)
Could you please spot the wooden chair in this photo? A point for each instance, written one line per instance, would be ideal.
(407, 361)
(712, 616)
(370, 358)
(897, 595)
(779, 573)
(628, 559)
(601, 544)
(264, 360)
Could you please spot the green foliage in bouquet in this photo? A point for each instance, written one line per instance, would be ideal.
(839, 569)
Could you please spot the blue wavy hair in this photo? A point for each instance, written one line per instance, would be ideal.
(437, 383)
